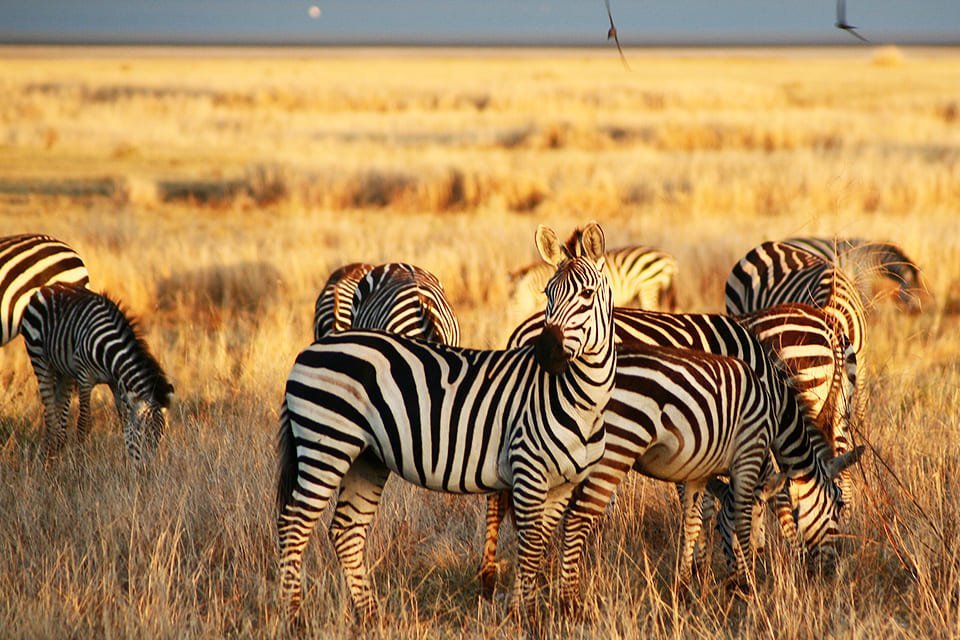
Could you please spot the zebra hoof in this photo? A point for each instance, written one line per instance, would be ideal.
(488, 583)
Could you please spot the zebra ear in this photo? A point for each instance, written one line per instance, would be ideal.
(551, 249)
(837, 464)
(592, 241)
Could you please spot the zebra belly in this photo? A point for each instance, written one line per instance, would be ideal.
(664, 462)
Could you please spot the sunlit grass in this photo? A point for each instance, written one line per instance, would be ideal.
(214, 194)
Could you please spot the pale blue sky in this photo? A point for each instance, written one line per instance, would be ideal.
(475, 21)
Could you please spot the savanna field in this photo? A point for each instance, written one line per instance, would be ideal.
(214, 190)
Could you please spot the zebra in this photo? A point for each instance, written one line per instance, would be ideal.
(333, 310)
(640, 276)
(75, 336)
(711, 333)
(863, 261)
(397, 297)
(776, 273)
(361, 404)
(684, 416)
(822, 363)
(405, 299)
(28, 262)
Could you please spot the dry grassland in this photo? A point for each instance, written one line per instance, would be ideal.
(214, 190)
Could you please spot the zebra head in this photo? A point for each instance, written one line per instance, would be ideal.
(819, 507)
(904, 272)
(144, 418)
(579, 313)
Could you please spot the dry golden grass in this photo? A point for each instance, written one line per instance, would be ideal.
(213, 191)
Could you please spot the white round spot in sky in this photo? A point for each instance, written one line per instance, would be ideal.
(314, 12)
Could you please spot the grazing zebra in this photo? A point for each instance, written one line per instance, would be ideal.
(709, 333)
(361, 404)
(684, 416)
(639, 276)
(74, 335)
(28, 262)
(863, 261)
(334, 308)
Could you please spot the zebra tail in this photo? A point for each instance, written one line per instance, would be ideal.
(287, 468)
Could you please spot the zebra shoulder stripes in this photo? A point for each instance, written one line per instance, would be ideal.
(864, 261)
(28, 262)
(359, 404)
(76, 336)
(334, 307)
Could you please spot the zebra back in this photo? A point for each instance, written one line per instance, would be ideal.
(405, 299)
(863, 261)
(333, 310)
(28, 262)
(776, 273)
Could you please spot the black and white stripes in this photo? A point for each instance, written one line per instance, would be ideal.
(28, 262)
(76, 336)
(360, 404)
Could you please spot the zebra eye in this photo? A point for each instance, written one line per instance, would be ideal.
(587, 294)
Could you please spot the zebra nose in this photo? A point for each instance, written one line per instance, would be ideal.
(549, 350)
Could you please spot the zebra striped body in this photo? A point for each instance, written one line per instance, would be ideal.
(76, 336)
(715, 334)
(334, 308)
(639, 276)
(864, 261)
(28, 262)
(407, 300)
(822, 363)
(777, 273)
(360, 404)
(685, 416)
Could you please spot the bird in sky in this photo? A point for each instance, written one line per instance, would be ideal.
(842, 23)
(612, 33)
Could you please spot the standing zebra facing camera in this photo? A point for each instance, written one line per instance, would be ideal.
(28, 262)
(360, 404)
(76, 336)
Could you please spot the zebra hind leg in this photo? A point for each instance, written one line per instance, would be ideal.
(55, 392)
(360, 492)
(304, 488)
(496, 509)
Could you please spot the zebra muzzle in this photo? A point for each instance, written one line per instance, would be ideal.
(549, 350)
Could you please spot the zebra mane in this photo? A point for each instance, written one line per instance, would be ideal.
(157, 382)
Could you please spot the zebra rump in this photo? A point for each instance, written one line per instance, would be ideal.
(28, 262)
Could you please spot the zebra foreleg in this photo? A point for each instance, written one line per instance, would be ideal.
(360, 492)
(496, 509)
(693, 495)
(537, 514)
